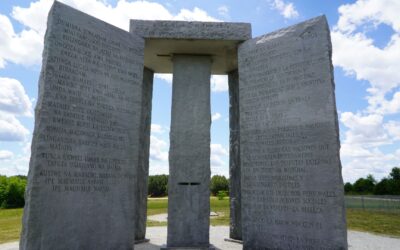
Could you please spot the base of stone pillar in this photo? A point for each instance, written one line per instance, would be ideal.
(233, 240)
(211, 247)
(141, 241)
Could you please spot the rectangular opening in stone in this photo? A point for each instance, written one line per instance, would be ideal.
(189, 183)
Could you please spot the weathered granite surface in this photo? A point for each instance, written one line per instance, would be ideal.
(189, 154)
(292, 188)
(144, 153)
(191, 30)
(234, 158)
(81, 182)
(166, 38)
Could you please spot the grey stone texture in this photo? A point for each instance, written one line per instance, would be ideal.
(234, 158)
(189, 154)
(166, 38)
(81, 182)
(144, 153)
(191, 30)
(292, 188)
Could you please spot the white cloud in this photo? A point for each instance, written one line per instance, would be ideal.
(356, 53)
(393, 129)
(11, 129)
(13, 98)
(157, 128)
(158, 149)
(219, 83)
(5, 155)
(223, 11)
(215, 117)
(374, 162)
(366, 129)
(16, 164)
(25, 47)
(218, 156)
(286, 9)
(165, 77)
(194, 15)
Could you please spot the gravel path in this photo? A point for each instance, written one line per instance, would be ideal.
(158, 235)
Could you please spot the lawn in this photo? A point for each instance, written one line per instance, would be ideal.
(368, 221)
(10, 224)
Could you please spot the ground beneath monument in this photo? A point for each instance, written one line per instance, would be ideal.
(158, 237)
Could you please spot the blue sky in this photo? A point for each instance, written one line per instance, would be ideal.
(366, 55)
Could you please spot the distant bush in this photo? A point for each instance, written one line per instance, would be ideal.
(387, 186)
(219, 183)
(12, 190)
(158, 185)
(221, 195)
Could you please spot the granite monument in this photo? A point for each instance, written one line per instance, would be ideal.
(87, 183)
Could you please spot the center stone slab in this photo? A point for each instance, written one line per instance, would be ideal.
(189, 155)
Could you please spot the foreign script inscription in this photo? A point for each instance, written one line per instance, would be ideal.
(289, 142)
(86, 139)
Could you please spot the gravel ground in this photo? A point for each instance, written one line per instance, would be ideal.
(158, 235)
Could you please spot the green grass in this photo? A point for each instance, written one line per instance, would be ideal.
(10, 224)
(368, 221)
(374, 221)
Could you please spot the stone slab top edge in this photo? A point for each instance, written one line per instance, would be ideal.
(166, 29)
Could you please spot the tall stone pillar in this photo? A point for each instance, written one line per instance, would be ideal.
(144, 150)
(189, 155)
(235, 231)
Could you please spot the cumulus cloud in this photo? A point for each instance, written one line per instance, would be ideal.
(286, 9)
(157, 128)
(165, 77)
(219, 83)
(223, 11)
(25, 47)
(215, 116)
(218, 156)
(366, 129)
(158, 149)
(20, 48)
(11, 128)
(15, 164)
(356, 52)
(13, 98)
(5, 155)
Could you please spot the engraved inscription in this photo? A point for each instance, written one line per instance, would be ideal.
(289, 142)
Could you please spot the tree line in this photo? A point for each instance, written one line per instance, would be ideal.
(158, 185)
(389, 185)
(12, 188)
(12, 191)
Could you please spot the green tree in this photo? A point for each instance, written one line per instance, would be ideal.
(365, 185)
(158, 185)
(348, 188)
(219, 183)
(12, 191)
(382, 187)
(395, 174)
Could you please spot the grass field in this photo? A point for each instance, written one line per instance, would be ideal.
(357, 219)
